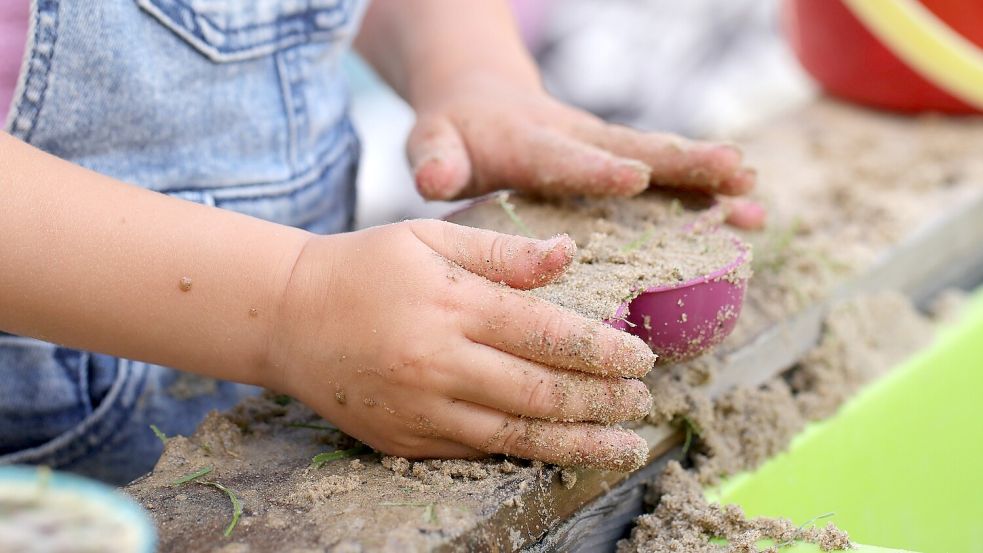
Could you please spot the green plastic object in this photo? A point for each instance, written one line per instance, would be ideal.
(901, 464)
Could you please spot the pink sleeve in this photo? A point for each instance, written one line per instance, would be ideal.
(13, 35)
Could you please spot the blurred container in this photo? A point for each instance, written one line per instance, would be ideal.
(850, 62)
(44, 511)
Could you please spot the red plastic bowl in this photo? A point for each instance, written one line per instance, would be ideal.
(849, 62)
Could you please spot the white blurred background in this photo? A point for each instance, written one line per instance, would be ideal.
(702, 68)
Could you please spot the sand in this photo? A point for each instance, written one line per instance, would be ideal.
(862, 339)
(684, 521)
(262, 450)
(738, 431)
(840, 185)
(623, 245)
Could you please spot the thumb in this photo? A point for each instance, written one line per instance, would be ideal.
(517, 261)
(438, 158)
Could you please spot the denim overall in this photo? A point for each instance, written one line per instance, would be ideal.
(231, 103)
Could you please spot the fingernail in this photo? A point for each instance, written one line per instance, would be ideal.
(632, 454)
(746, 214)
(741, 182)
(437, 178)
(633, 357)
(737, 152)
(426, 163)
(632, 176)
(641, 405)
(750, 207)
(427, 175)
(562, 243)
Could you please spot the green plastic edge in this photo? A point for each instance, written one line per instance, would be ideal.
(898, 464)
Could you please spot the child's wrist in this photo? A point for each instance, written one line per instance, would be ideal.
(269, 370)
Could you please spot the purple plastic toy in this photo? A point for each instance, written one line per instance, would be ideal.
(681, 321)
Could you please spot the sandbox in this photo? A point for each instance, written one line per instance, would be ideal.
(853, 211)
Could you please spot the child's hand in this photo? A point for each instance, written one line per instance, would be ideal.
(485, 133)
(484, 121)
(385, 334)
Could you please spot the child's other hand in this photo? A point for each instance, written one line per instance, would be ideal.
(483, 134)
(394, 335)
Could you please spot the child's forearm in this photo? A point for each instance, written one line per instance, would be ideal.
(90, 262)
(384, 332)
(422, 47)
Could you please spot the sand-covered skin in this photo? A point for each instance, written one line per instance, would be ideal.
(624, 245)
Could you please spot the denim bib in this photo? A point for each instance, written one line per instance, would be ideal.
(231, 103)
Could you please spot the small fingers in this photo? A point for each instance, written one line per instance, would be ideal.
(552, 164)
(561, 443)
(745, 214)
(438, 158)
(676, 161)
(489, 377)
(517, 261)
(540, 331)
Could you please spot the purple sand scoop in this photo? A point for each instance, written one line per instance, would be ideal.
(681, 321)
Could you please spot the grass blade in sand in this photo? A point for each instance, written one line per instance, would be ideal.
(692, 430)
(321, 459)
(192, 476)
(503, 200)
(282, 400)
(639, 242)
(236, 505)
(310, 426)
(802, 527)
(160, 435)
